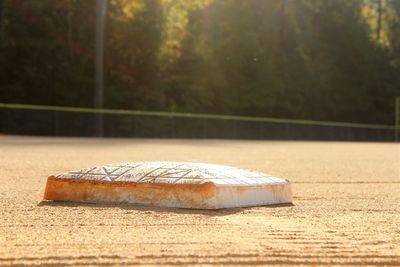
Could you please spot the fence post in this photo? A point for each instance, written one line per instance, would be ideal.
(397, 119)
(101, 13)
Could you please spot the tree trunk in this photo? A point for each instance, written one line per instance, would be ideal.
(1, 16)
(70, 14)
(282, 14)
(379, 22)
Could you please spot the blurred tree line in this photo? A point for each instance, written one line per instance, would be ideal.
(333, 60)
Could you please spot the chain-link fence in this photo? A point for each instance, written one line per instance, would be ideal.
(63, 121)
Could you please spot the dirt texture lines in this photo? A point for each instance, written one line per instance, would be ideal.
(346, 206)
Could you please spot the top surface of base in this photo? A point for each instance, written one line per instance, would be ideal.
(172, 173)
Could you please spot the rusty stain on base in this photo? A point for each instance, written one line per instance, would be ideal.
(168, 195)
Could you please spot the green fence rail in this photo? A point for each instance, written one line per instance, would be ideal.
(202, 116)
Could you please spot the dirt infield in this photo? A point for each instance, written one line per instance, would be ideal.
(346, 206)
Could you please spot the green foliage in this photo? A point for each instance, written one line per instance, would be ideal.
(46, 52)
(305, 59)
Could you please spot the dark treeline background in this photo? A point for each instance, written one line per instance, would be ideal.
(335, 60)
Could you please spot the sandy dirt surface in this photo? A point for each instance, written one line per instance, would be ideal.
(346, 206)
